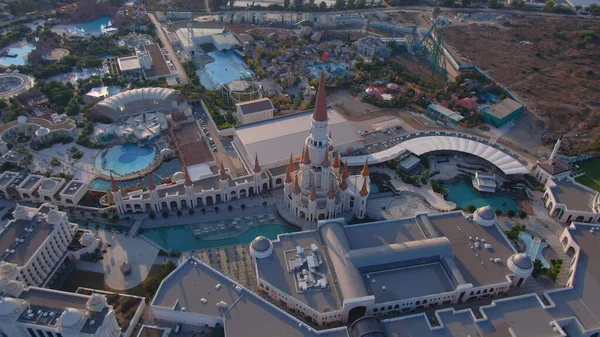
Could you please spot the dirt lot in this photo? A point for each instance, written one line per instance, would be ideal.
(558, 75)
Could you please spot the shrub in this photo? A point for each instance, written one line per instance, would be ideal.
(522, 214)
(498, 212)
(203, 211)
(165, 214)
(191, 212)
(243, 206)
(471, 209)
(152, 216)
(230, 208)
(104, 215)
(179, 213)
(510, 213)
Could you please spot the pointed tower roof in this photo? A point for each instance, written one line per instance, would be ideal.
(151, 184)
(363, 191)
(326, 162)
(113, 184)
(331, 192)
(313, 193)
(320, 113)
(343, 183)
(223, 172)
(365, 170)
(306, 157)
(296, 189)
(290, 169)
(330, 144)
(256, 164)
(336, 161)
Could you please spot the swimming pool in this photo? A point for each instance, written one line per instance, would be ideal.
(181, 238)
(226, 67)
(72, 77)
(125, 159)
(534, 248)
(374, 188)
(166, 169)
(91, 27)
(340, 69)
(20, 49)
(463, 195)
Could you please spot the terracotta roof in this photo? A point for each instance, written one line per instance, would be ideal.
(336, 160)
(555, 166)
(313, 193)
(256, 164)
(296, 189)
(320, 113)
(331, 193)
(223, 172)
(290, 169)
(365, 170)
(343, 183)
(363, 191)
(326, 162)
(306, 157)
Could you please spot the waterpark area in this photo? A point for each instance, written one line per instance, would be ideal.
(226, 67)
(463, 195)
(125, 160)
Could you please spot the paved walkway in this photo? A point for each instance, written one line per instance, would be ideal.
(167, 44)
(405, 205)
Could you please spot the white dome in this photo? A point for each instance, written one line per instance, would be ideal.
(53, 217)
(42, 132)
(86, 239)
(178, 176)
(166, 152)
(8, 306)
(520, 264)
(485, 216)
(6, 268)
(22, 119)
(96, 302)
(48, 184)
(21, 213)
(261, 247)
(70, 317)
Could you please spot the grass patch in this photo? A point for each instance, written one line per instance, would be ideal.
(591, 179)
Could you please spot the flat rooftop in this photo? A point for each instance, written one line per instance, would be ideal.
(159, 64)
(6, 177)
(383, 233)
(147, 331)
(191, 145)
(275, 271)
(476, 269)
(275, 138)
(254, 106)
(32, 241)
(455, 325)
(572, 196)
(405, 283)
(129, 63)
(188, 284)
(30, 181)
(504, 108)
(72, 187)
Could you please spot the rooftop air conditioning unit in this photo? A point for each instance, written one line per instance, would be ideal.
(218, 286)
(203, 300)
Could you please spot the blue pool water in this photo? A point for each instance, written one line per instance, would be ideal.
(374, 188)
(20, 49)
(340, 69)
(114, 89)
(226, 67)
(463, 195)
(166, 169)
(92, 27)
(181, 238)
(125, 159)
(72, 77)
(528, 239)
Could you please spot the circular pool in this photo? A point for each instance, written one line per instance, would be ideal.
(126, 159)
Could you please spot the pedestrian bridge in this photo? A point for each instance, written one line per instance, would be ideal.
(423, 142)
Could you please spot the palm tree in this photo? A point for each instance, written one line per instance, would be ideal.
(243, 207)
(230, 208)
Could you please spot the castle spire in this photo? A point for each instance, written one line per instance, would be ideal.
(320, 113)
(326, 162)
(296, 189)
(343, 182)
(290, 169)
(336, 161)
(256, 164)
(363, 191)
(223, 172)
(331, 193)
(365, 170)
(313, 193)
(113, 184)
(306, 156)
(151, 185)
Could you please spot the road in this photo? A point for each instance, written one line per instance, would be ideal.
(167, 44)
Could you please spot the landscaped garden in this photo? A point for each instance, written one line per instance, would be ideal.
(591, 179)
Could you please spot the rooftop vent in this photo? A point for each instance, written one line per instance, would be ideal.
(184, 309)
(222, 304)
(218, 286)
(92, 322)
(203, 300)
(238, 289)
(383, 288)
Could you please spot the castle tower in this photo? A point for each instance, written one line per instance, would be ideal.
(295, 197)
(331, 201)
(335, 168)
(288, 182)
(325, 171)
(306, 168)
(223, 182)
(257, 173)
(312, 205)
(115, 191)
(364, 194)
(318, 140)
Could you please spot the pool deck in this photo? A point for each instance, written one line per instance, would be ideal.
(158, 160)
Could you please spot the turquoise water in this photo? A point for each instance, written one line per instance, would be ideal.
(114, 89)
(340, 69)
(526, 237)
(72, 77)
(181, 238)
(125, 159)
(92, 27)
(463, 195)
(226, 67)
(166, 169)
(374, 188)
(21, 49)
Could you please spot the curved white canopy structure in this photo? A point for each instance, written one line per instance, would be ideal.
(423, 142)
(138, 100)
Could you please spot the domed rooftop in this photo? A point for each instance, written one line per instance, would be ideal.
(6, 268)
(486, 213)
(48, 184)
(261, 244)
(178, 176)
(21, 212)
(522, 261)
(22, 119)
(42, 132)
(70, 317)
(53, 217)
(86, 238)
(8, 306)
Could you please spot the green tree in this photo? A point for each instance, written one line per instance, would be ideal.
(471, 209)
(351, 3)
(152, 216)
(286, 3)
(549, 5)
(191, 211)
(340, 4)
(510, 213)
(179, 213)
(522, 214)
(73, 107)
(498, 212)
(323, 6)
(165, 214)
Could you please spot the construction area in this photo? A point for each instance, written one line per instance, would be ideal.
(550, 62)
